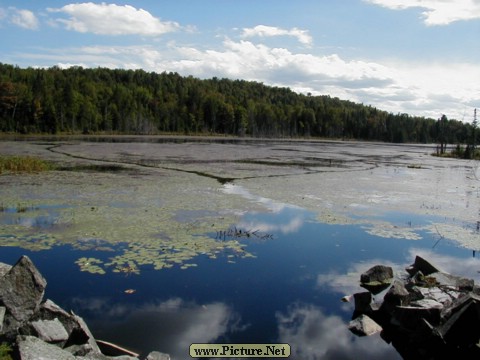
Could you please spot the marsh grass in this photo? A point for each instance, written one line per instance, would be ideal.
(23, 164)
(5, 351)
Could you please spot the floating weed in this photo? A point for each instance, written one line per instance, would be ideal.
(387, 230)
(149, 228)
(186, 266)
(91, 265)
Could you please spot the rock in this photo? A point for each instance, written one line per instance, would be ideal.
(81, 335)
(79, 350)
(420, 264)
(22, 289)
(155, 355)
(397, 295)
(462, 327)
(2, 316)
(364, 326)
(456, 282)
(51, 331)
(4, 268)
(430, 314)
(410, 317)
(379, 274)
(363, 302)
(32, 348)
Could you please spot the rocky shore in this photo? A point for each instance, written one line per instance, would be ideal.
(32, 328)
(424, 313)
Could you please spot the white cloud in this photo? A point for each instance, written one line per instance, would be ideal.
(437, 12)
(112, 19)
(24, 18)
(417, 88)
(269, 31)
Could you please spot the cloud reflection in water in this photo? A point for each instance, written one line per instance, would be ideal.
(170, 326)
(293, 217)
(313, 335)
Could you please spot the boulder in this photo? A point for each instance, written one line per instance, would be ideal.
(51, 331)
(429, 314)
(2, 316)
(81, 335)
(49, 311)
(364, 326)
(22, 289)
(155, 355)
(397, 295)
(363, 302)
(32, 348)
(410, 317)
(420, 264)
(4, 268)
(377, 275)
(452, 281)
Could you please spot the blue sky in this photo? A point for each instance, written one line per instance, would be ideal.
(420, 57)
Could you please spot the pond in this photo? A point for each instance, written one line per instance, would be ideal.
(156, 250)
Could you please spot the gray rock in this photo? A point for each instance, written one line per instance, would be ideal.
(4, 268)
(420, 264)
(32, 348)
(397, 295)
(49, 311)
(2, 316)
(411, 317)
(456, 282)
(364, 326)
(95, 356)
(79, 350)
(83, 334)
(363, 302)
(50, 330)
(461, 328)
(427, 304)
(22, 289)
(155, 355)
(378, 274)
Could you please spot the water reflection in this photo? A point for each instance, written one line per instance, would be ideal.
(170, 326)
(288, 219)
(314, 335)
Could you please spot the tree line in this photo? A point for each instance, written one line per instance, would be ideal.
(117, 101)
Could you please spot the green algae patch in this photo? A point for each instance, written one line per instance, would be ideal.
(387, 230)
(90, 265)
(155, 221)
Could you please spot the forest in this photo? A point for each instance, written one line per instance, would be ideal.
(117, 101)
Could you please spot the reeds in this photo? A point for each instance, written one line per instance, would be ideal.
(23, 164)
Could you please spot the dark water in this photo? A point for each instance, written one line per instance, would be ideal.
(289, 293)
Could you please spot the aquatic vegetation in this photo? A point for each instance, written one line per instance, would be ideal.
(157, 205)
(147, 223)
(387, 230)
(234, 233)
(90, 265)
(23, 164)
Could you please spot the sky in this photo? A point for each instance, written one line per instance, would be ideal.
(420, 57)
